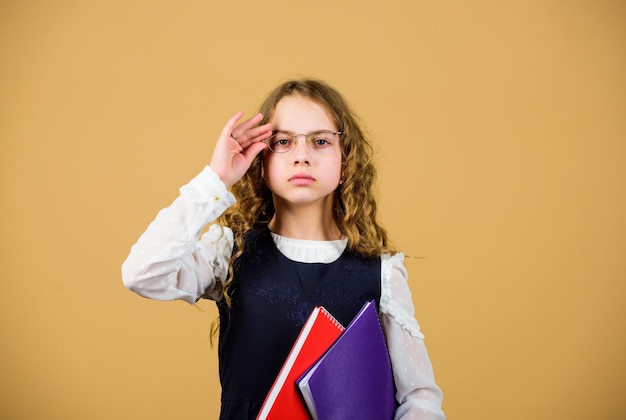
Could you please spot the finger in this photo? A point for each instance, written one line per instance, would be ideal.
(255, 135)
(241, 129)
(230, 124)
(254, 150)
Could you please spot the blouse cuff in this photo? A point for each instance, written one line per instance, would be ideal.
(208, 187)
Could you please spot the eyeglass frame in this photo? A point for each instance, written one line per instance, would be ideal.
(294, 139)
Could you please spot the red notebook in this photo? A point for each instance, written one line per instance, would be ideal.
(284, 401)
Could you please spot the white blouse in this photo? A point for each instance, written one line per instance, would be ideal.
(170, 261)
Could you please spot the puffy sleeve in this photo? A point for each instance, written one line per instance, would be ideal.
(169, 261)
(416, 390)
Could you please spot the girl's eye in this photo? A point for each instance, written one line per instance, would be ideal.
(321, 142)
(280, 144)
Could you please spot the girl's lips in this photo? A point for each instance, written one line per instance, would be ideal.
(302, 179)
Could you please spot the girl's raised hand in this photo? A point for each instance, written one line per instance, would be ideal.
(237, 146)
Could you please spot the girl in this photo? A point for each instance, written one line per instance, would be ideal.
(304, 233)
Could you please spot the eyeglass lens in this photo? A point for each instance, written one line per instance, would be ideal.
(319, 140)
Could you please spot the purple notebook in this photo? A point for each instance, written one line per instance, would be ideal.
(353, 379)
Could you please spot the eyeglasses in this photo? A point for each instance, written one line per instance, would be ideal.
(317, 140)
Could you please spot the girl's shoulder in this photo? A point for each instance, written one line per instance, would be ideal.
(392, 259)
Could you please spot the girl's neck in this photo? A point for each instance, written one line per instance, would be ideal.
(305, 223)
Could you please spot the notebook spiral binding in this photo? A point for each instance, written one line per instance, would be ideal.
(332, 318)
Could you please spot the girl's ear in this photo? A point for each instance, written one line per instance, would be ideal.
(262, 170)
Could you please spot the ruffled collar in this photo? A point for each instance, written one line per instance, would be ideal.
(306, 251)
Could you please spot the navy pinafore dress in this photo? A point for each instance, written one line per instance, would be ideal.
(272, 296)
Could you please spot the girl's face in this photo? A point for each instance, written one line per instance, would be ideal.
(303, 176)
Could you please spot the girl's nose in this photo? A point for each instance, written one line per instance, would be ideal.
(301, 152)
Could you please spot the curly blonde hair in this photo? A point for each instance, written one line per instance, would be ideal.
(354, 207)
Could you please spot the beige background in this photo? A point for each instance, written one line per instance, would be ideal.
(502, 136)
